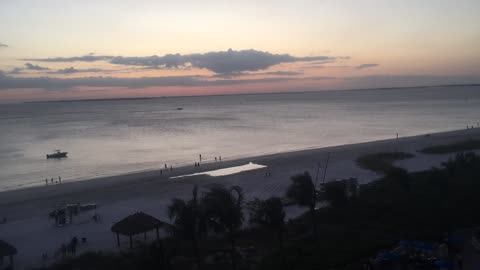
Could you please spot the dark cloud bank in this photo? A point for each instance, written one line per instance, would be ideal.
(225, 64)
(59, 84)
(49, 83)
(222, 62)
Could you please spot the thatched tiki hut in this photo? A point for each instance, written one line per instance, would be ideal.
(7, 250)
(136, 224)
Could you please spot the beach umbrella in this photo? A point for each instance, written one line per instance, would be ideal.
(136, 224)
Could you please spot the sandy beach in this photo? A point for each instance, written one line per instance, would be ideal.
(30, 230)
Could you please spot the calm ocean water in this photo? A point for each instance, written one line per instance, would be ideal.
(113, 137)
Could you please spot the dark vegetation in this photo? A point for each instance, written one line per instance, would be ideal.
(381, 162)
(400, 206)
(302, 192)
(452, 148)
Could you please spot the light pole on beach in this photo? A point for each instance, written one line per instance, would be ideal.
(325, 170)
(316, 176)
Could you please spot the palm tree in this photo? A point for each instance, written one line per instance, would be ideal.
(270, 214)
(224, 211)
(188, 221)
(302, 192)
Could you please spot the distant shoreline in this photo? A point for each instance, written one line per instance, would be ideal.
(242, 94)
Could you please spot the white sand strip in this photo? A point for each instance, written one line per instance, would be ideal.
(226, 171)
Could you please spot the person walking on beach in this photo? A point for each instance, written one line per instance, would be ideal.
(215, 159)
(220, 158)
(46, 181)
(165, 165)
(51, 180)
(200, 157)
(59, 180)
(171, 168)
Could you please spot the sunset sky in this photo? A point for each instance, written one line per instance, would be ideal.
(67, 49)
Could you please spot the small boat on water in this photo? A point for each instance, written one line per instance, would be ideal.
(57, 154)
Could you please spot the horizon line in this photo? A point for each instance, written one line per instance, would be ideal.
(240, 94)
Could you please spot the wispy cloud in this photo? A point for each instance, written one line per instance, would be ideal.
(50, 83)
(322, 78)
(28, 66)
(72, 70)
(329, 66)
(16, 70)
(374, 81)
(221, 62)
(363, 66)
(85, 58)
(3, 45)
(31, 66)
(271, 73)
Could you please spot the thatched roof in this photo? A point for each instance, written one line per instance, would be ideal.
(137, 223)
(6, 249)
